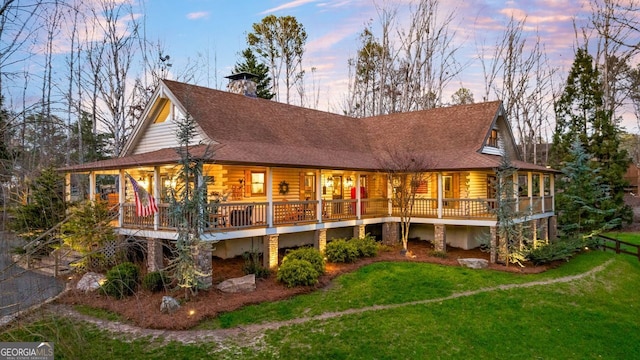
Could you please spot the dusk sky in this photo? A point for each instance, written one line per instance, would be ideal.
(217, 30)
(213, 32)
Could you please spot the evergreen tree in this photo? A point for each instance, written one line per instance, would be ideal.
(43, 206)
(187, 210)
(581, 115)
(584, 203)
(251, 65)
(515, 238)
(6, 133)
(88, 146)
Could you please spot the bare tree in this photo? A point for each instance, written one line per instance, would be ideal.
(411, 75)
(617, 26)
(280, 42)
(406, 171)
(110, 59)
(517, 72)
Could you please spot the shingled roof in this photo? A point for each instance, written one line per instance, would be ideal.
(262, 132)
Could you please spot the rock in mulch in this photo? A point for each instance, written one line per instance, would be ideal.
(90, 282)
(169, 305)
(242, 284)
(474, 263)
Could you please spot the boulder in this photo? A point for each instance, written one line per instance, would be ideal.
(474, 263)
(242, 284)
(90, 282)
(169, 305)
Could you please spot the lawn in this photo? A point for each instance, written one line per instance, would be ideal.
(630, 237)
(591, 318)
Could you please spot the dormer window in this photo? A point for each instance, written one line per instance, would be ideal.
(493, 139)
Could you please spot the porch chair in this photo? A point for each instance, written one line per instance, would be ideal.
(241, 217)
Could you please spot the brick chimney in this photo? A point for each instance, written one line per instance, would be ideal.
(242, 83)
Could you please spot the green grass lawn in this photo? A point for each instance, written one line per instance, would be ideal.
(630, 237)
(591, 318)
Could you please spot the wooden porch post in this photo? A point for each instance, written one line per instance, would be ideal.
(552, 191)
(156, 195)
(67, 187)
(92, 186)
(541, 190)
(121, 197)
(440, 203)
(358, 199)
(319, 196)
(516, 189)
(530, 188)
(269, 185)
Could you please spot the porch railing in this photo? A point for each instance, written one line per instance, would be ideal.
(293, 212)
(231, 216)
(468, 208)
(339, 209)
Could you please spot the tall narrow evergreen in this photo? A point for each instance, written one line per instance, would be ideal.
(187, 209)
(581, 115)
(585, 202)
(251, 65)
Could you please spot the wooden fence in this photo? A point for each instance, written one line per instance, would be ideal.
(619, 246)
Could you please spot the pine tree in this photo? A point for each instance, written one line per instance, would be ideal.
(187, 209)
(515, 238)
(251, 65)
(581, 115)
(584, 203)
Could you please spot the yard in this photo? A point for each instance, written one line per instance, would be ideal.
(586, 308)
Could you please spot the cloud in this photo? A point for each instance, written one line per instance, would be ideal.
(198, 15)
(289, 5)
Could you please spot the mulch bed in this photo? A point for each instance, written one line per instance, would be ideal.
(143, 309)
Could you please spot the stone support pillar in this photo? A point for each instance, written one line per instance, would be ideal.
(154, 254)
(440, 240)
(534, 233)
(493, 244)
(320, 240)
(545, 231)
(390, 233)
(270, 256)
(553, 227)
(202, 254)
(359, 231)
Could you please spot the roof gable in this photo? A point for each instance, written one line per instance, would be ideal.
(257, 131)
(158, 128)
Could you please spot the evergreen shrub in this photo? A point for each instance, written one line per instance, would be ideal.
(122, 280)
(313, 256)
(367, 246)
(154, 281)
(297, 272)
(341, 251)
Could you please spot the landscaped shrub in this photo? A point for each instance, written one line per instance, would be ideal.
(252, 264)
(154, 281)
(559, 250)
(367, 246)
(122, 280)
(313, 256)
(297, 272)
(341, 251)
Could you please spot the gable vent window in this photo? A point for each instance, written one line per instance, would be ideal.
(493, 139)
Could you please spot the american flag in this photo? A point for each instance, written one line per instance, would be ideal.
(145, 203)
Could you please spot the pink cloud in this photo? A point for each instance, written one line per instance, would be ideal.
(197, 15)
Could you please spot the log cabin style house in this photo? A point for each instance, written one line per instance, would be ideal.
(294, 176)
